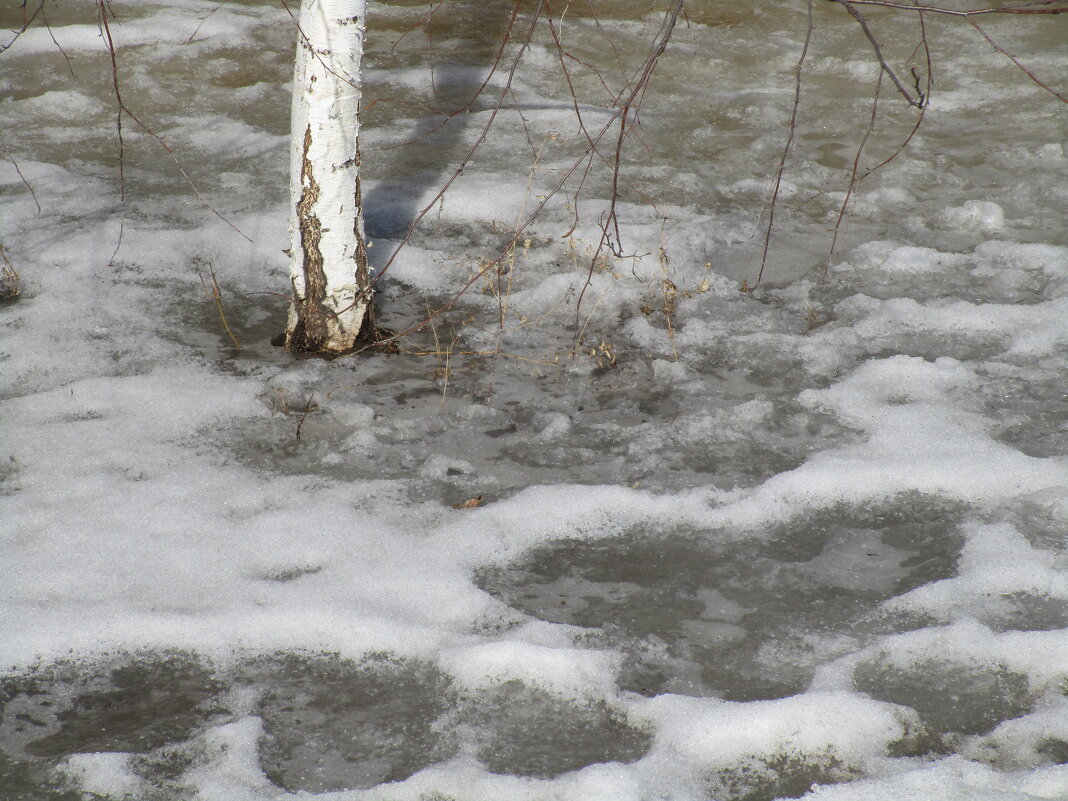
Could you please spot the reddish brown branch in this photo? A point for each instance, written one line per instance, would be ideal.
(505, 92)
(924, 93)
(1047, 7)
(879, 53)
(204, 19)
(494, 66)
(1034, 7)
(59, 47)
(798, 68)
(1034, 78)
(103, 12)
(853, 177)
(629, 102)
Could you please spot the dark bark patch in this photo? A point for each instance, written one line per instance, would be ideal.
(310, 332)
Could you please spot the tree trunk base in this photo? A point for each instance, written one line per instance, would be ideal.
(370, 338)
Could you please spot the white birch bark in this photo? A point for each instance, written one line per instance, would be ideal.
(328, 259)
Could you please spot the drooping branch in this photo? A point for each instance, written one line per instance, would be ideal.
(798, 72)
(1034, 78)
(921, 85)
(608, 223)
(855, 177)
(1032, 8)
(25, 183)
(924, 91)
(104, 13)
(912, 101)
(494, 111)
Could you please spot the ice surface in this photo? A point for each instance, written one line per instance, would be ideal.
(803, 540)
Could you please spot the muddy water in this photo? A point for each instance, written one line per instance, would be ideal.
(708, 389)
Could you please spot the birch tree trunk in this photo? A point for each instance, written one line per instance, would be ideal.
(328, 257)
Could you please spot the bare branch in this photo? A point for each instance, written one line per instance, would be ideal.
(809, 29)
(629, 102)
(924, 93)
(103, 12)
(879, 53)
(59, 47)
(505, 92)
(498, 57)
(611, 220)
(853, 178)
(27, 21)
(1034, 78)
(25, 183)
(1035, 7)
(215, 293)
(204, 19)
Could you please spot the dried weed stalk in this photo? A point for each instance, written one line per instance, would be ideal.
(9, 279)
(215, 293)
(280, 404)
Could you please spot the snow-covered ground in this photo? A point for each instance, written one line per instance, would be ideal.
(807, 540)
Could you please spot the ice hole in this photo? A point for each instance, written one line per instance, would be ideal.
(701, 613)
(952, 697)
(130, 703)
(784, 775)
(528, 732)
(330, 724)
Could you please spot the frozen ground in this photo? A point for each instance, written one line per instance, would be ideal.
(820, 553)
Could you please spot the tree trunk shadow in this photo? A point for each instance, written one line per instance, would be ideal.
(421, 157)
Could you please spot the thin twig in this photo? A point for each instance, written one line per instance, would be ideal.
(610, 220)
(506, 354)
(1060, 7)
(924, 93)
(424, 24)
(1036, 7)
(612, 164)
(9, 278)
(215, 293)
(1017, 62)
(103, 12)
(309, 406)
(204, 19)
(25, 183)
(26, 23)
(798, 70)
(630, 101)
(105, 31)
(482, 135)
(853, 179)
(59, 47)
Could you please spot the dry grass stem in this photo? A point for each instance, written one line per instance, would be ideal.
(215, 293)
